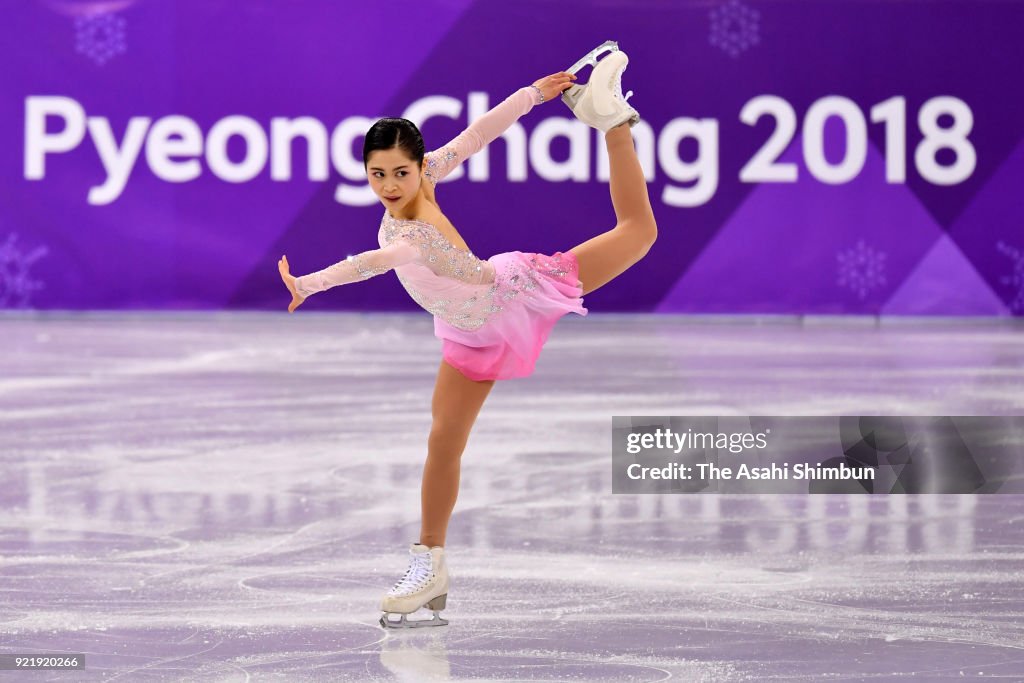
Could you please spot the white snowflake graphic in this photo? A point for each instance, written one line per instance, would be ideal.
(735, 27)
(100, 36)
(15, 284)
(1016, 279)
(861, 269)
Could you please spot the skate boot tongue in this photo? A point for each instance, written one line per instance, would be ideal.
(419, 548)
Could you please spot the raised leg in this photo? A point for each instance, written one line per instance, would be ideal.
(605, 257)
(455, 406)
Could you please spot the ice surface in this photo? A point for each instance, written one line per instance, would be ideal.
(226, 497)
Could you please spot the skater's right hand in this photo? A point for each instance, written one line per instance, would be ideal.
(555, 84)
(289, 282)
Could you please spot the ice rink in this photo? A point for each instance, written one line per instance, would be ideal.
(226, 497)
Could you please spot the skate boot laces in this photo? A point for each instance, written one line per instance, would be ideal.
(618, 86)
(416, 576)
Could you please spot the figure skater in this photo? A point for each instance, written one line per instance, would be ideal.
(492, 316)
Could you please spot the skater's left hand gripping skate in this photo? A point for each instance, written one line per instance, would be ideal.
(289, 282)
(555, 84)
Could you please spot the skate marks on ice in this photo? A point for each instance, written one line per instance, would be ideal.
(205, 498)
(839, 599)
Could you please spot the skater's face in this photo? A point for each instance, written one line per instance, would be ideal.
(394, 177)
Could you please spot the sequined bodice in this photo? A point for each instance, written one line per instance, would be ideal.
(436, 251)
(459, 287)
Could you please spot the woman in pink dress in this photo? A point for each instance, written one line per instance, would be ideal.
(493, 316)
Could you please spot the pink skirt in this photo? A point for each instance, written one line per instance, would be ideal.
(533, 291)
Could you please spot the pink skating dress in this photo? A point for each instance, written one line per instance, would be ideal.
(493, 316)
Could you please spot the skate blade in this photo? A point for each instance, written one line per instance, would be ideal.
(404, 622)
(591, 57)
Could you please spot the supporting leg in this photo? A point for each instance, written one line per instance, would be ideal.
(605, 257)
(456, 404)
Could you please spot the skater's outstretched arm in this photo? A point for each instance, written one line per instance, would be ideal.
(481, 132)
(357, 267)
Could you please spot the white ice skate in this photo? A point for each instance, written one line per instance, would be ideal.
(425, 584)
(599, 103)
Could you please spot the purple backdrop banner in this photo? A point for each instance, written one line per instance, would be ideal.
(802, 157)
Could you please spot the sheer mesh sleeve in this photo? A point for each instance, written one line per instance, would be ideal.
(357, 267)
(440, 162)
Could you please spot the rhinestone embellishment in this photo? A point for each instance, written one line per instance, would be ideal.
(446, 260)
